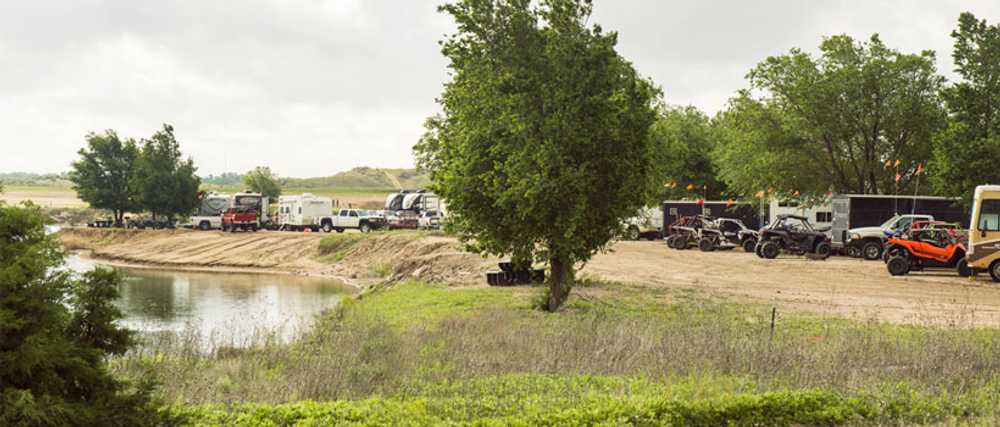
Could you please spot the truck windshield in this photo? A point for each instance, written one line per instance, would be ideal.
(891, 223)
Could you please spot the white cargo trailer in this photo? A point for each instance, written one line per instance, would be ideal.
(303, 211)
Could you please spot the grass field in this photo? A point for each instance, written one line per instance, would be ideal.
(419, 354)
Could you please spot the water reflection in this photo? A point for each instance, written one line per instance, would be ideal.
(220, 309)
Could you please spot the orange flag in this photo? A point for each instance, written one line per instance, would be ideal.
(898, 162)
(920, 169)
(899, 176)
(729, 203)
(690, 187)
(888, 164)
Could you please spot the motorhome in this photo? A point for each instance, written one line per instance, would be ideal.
(984, 232)
(303, 211)
(208, 215)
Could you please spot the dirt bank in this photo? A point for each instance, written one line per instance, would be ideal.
(356, 258)
(841, 286)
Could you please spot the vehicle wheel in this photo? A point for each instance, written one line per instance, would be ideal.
(706, 245)
(340, 230)
(898, 266)
(995, 271)
(632, 233)
(770, 250)
(253, 228)
(853, 251)
(756, 250)
(749, 245)
(872, 250)
(823, 250)
(327, 227)
(204, 226)
(683, 242)
(365, 228)
(963, 269)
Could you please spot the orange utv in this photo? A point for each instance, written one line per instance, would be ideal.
(926, 248)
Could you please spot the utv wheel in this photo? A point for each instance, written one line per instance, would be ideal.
(757, 248)
(706, 245)
(963, 268)
(749, 245)
(872, 250)
(770, 250)
(823, 250)
(898, 266)
(683, 242)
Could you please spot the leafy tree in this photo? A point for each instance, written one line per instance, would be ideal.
(56, 332)
(967, 152)
(261, 180)
(832, 123)
(543, 147)
(103, 175)
(167, 184)
(684, 142)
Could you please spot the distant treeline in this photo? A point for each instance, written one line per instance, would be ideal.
(35, 179)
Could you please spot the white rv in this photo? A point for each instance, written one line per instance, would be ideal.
(303, 211)
(208, 215)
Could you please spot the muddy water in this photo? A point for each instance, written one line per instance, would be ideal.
(211, 310)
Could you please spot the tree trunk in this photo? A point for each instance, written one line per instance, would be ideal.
(560, 281)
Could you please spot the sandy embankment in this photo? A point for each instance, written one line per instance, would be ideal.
(377, 257)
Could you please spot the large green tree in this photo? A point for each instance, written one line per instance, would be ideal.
(263, 181)
(102, 176)
(166, 181)
(56, 332)
(831, 123)
(967, 153)
(543, 147)
(683, 142)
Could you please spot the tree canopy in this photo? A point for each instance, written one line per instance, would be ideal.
(167, 183)
(967, 152)
(103, 177)
(543, 147)
(833, 122)
(56, 331)
(683, 142)
(260, 179)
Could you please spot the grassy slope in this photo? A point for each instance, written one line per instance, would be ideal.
(418, 354)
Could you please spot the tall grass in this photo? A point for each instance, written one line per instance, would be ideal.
(363, 349)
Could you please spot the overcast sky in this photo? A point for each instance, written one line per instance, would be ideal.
(312, 88)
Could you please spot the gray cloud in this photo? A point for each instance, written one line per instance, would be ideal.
(315, 87)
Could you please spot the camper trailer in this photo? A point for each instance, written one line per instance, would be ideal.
(297, 213)
(820, 215)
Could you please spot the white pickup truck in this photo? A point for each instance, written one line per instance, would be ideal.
(868, 242)
(359, 219)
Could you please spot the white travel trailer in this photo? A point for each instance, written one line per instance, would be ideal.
(820, 214)
(303, 211)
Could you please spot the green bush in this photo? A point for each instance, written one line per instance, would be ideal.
(56, 332)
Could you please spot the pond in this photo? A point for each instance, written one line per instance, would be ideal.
(211, 310)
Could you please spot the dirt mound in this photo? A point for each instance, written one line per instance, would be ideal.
(401, 256)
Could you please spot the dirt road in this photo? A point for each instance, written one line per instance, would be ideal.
(841, 286)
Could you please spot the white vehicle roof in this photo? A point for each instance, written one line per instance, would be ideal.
(983, 188)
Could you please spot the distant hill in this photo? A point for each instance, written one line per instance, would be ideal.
(363, 178)
(360, 178)
(35, 179)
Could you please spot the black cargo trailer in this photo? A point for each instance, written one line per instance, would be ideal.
(745, 212)
(867, 210)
